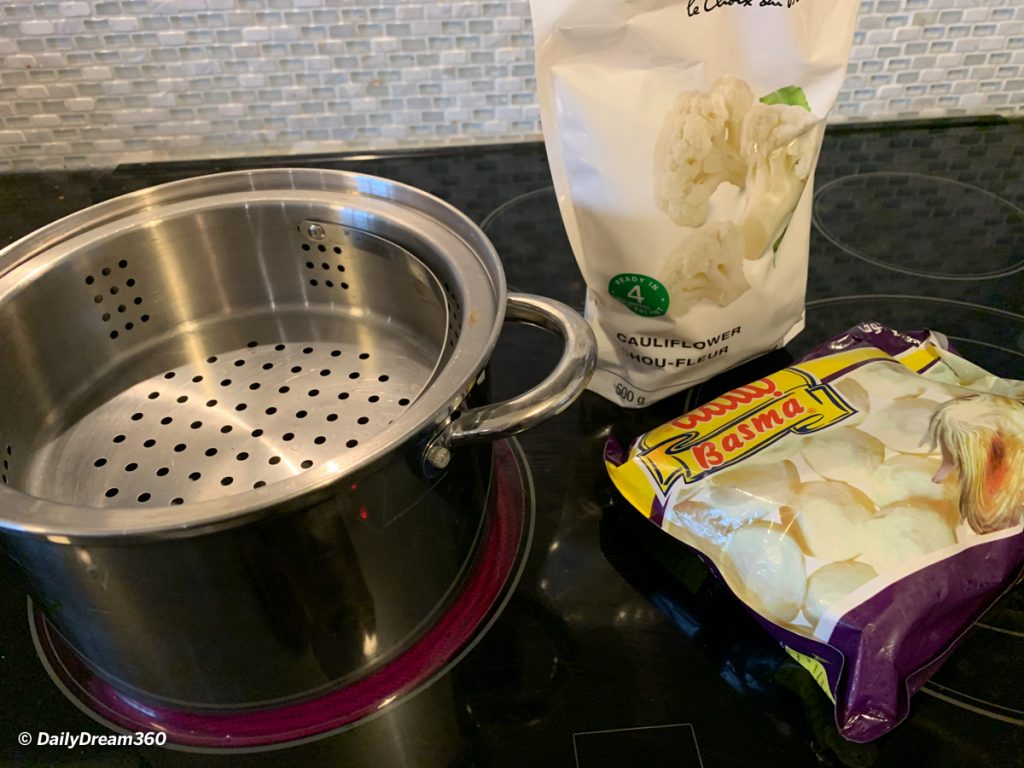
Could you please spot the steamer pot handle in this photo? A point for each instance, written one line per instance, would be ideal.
(549, 398)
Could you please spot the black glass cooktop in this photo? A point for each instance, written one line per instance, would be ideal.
(617, 648)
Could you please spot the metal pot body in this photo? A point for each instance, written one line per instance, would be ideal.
(272, 610)
(238, 459)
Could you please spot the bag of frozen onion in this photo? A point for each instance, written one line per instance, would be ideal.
(682, 137)
(864, 503)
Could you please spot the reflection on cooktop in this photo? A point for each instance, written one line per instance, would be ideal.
(929, 226)
(991, 337)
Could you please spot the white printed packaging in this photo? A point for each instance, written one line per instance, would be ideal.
(682, 137)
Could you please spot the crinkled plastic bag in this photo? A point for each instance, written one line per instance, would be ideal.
(682, 137)
(865, 504)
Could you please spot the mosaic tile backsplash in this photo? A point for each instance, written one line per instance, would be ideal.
(106, 82)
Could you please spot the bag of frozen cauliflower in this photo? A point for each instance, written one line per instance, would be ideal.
(682, 137)
(865, 504)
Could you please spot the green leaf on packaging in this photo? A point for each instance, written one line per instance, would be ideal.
(793, 95)
(778, 241)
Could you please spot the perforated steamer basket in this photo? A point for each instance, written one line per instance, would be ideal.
(189, 367)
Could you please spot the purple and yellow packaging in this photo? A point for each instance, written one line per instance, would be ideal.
(865, 504)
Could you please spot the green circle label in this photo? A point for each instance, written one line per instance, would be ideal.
(641, 294)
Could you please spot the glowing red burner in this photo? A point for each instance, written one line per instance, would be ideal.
(509, 519)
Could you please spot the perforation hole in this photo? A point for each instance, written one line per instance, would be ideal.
(306, 464)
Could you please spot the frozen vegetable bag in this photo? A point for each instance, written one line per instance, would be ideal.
(682, 137)
(864, 503)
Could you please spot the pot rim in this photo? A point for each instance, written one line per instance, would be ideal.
(467, 252)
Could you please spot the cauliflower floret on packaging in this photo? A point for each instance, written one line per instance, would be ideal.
(698, 148)
(707, 265)
(779, 144)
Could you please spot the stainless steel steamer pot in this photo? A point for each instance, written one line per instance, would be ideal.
(233, 466)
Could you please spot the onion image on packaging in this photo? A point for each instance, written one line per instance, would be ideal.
(765, 566)
(981, 438)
